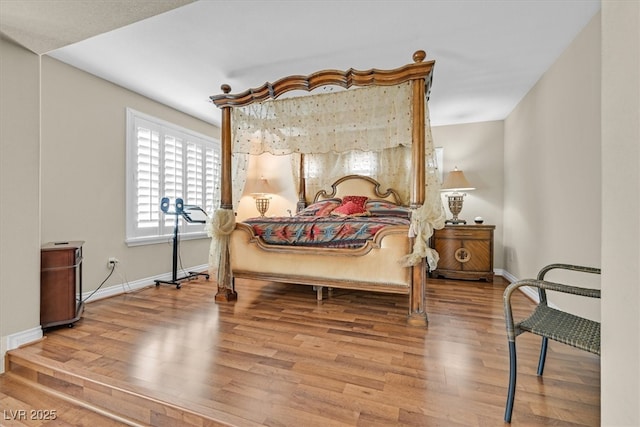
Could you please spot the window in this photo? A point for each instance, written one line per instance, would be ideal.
(362, 163)
(165, 160)
(347, 163)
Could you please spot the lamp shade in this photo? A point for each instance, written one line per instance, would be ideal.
(456, 181)
(260, 187)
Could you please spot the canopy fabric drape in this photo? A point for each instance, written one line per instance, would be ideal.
(345, 132)
(370, 118)
(239, 170)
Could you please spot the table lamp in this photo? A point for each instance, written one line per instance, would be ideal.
(456, 183)
(261, 195)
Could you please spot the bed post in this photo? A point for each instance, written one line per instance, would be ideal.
(418, 313)
(226, 290)
(418, 136)
(302, 190)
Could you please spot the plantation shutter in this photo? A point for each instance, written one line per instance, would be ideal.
(173, 171)
(195, 175)
(166, 161)
(148, 178)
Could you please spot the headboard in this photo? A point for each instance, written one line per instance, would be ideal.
(358, 185)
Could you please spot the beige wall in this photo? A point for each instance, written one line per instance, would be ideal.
(477, 149)
(621, 213)
(83, 174)
(552, 159)
(19, 193)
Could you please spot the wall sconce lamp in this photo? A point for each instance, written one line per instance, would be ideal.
(261, 195)
(456, 183)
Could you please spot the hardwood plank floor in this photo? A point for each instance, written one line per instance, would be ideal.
(278, 357)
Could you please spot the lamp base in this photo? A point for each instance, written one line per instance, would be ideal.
(455, 206)
(262, 204)
(455, 221)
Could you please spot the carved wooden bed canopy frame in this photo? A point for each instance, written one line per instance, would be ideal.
(419, 74)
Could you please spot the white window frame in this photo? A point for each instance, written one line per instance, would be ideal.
(205, 190)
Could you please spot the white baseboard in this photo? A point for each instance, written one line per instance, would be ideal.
(504, 273)
(125, 287)
(13, 341)
(529, 292)
(23, 337)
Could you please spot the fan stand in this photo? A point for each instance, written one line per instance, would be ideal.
(185, 213)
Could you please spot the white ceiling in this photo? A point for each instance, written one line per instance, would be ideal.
(488, 53)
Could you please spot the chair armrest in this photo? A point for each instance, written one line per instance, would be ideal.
(581, 268)
(542, 294)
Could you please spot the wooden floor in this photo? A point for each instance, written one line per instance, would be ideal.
(277, 357)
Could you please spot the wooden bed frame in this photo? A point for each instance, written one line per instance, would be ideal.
(372, 267)
(380, 266)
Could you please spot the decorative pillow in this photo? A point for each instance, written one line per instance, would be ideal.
(321, 208)
(350, 208)
(383, 208)
(358, 200)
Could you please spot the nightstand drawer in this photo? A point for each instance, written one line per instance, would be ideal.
(456, 233)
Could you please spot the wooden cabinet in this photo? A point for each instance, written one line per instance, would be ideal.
(60, 280)
(466, 252)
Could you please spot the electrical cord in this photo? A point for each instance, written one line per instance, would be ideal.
(113, 268)
(180, 259)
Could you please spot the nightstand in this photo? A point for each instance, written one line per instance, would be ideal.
(466, 252)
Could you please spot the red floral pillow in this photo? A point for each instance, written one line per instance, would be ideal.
(358, 200)
(352, 206)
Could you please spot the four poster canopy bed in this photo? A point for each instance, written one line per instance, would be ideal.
(354, 232)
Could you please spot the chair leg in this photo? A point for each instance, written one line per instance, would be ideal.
(543, 355)
(512, 381)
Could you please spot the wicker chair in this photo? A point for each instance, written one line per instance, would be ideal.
(549, 323)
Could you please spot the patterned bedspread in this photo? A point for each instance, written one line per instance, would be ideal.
(321, 231)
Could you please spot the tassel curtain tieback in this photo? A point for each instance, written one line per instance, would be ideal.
(219, 228)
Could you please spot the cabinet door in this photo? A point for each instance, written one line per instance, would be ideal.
(479, 252)
(446, 248)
